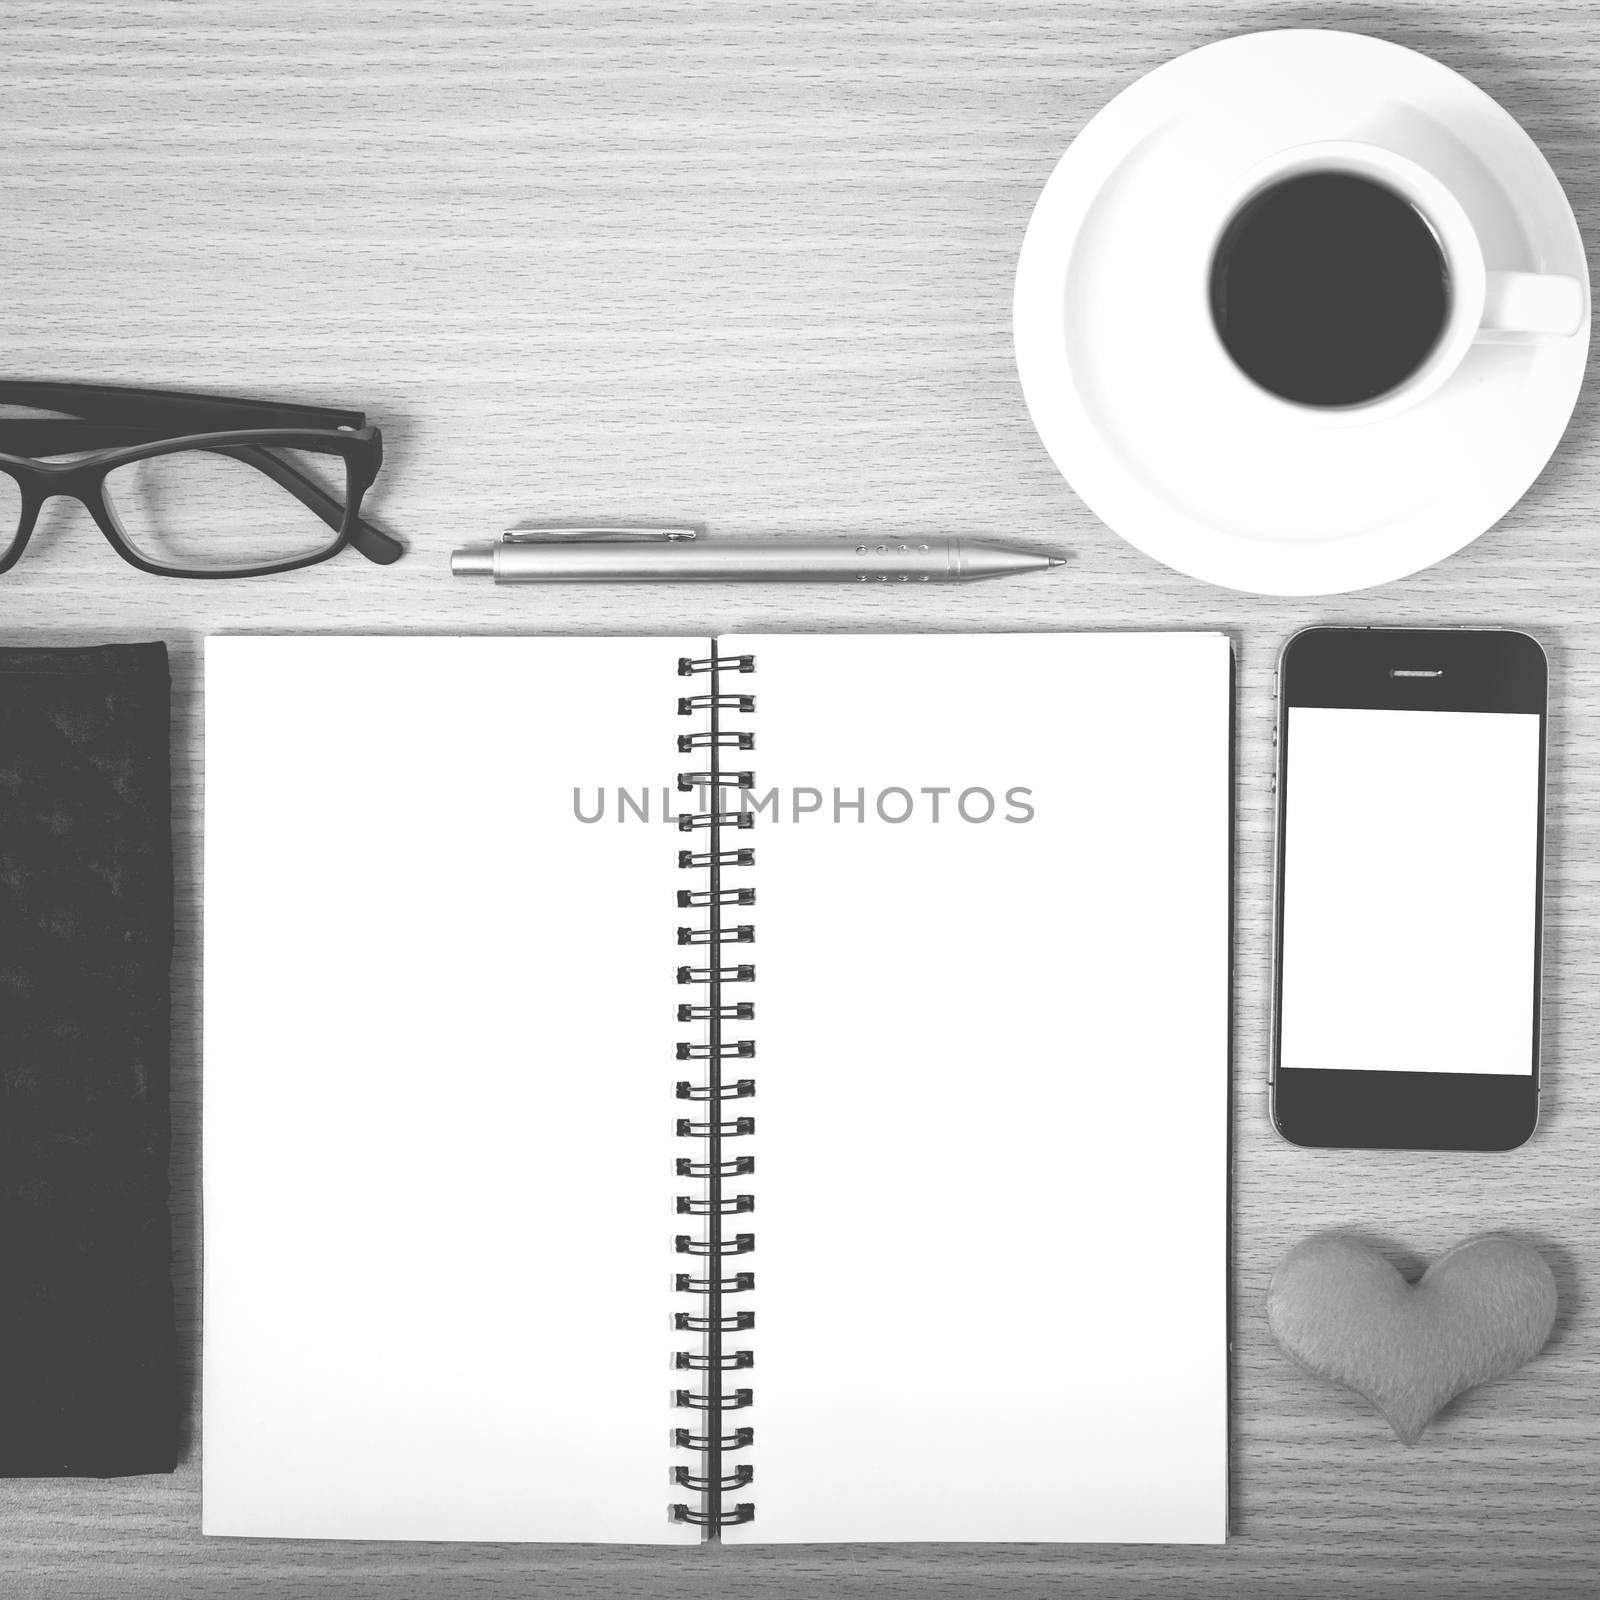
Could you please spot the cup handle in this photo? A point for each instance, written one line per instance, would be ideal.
(1532, 303)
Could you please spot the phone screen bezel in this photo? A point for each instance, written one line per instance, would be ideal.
(1481, 669)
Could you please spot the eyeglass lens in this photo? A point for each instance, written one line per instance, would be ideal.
(10, 510)
(205, 511)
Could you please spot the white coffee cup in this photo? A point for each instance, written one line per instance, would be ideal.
(1484, 306)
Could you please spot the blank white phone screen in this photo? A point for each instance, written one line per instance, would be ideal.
(1410, 890)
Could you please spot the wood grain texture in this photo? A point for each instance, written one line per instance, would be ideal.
(751, 263)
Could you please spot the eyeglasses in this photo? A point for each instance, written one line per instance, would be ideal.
(191, 485)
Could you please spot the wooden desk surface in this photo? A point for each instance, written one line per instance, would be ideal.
(751, 263)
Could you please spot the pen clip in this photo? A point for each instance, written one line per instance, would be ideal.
(542, 533)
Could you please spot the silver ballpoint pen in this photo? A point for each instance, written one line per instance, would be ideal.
(533, 554)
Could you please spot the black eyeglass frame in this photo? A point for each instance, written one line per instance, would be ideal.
(117, 425)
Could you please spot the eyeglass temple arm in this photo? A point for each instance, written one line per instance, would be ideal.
(372, 542)
(59, 436)
(163, 409)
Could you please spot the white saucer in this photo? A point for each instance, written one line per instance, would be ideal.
(1138, 403)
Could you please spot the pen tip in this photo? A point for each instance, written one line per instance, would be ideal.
(1057, 561)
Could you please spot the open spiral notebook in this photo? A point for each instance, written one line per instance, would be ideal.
(772, 1088)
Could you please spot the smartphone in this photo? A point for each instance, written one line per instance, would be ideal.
(1410, 865)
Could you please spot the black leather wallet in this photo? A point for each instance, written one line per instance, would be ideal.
(88, 1378)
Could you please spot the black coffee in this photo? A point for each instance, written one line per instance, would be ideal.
(1329, 289)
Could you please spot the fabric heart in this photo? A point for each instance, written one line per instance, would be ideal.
(1479, 1312)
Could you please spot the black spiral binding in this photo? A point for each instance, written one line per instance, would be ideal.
(711, 1287)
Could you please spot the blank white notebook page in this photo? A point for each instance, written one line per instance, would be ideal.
(992, 1109)
(438, 1139)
